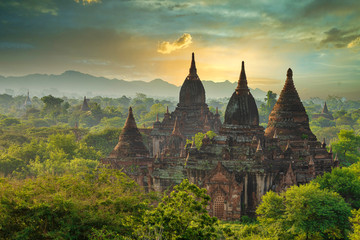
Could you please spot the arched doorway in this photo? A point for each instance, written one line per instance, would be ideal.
(219, 205)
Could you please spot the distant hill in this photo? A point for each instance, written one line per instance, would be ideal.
(77, 84)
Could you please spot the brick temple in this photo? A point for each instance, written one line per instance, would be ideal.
(241, 163)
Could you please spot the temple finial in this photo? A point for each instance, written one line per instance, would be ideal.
(176, 130)
(242, 83)
(259, 148)
(275, 134)
(157, 117)
(288, 147)
(130, 120)
(289, 73)
(167, 109)
(192, 70)
(325, 109)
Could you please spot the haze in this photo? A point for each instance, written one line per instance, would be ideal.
(144, 40)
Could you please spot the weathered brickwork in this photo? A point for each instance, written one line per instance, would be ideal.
(241, 163)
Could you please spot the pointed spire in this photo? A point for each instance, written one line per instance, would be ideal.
(167, 114)
(27, 100)
(275, 134)
(259, 148)
(242, 86)
(192, 70)
(290, 169)
(130, 120)
(323, 144)
(289, 83)
(85, 106)
(206, 121)
(176, 130)
(325, 109)
(130, 141)
(217, 111)
(336, 159)
(157, 117)
(311, 162)
(288, 147)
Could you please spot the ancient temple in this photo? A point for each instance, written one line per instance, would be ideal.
(27, 100)
(288, 117)
(241, 163)
(325, 113)
(192, 114)
(85, 107)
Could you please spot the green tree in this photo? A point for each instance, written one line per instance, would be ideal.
(270, 100)
(344, 181)
(305, 212)
(181, 215)
(347, 148)
(51, 103)
(355, 220)
(266, 108)
(71, 206)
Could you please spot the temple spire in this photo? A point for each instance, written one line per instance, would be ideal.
(176, 130)
(275, 134)
(167, 109)
(289, 83)
(259, 148)
(288, 146)
(192, 70)
(242, 83)
(130, 121)
(157, 117)
(325, 109)
(130, 141)
(85, 106)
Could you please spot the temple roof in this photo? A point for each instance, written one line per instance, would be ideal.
(85, 106)
(288, 117)
(130, 141)
(325, 109)
(192, 91)
(27, 100)
(242, 109)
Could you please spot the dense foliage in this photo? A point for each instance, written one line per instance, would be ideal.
(53, 186)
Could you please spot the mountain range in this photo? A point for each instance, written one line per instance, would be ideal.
(77, 84)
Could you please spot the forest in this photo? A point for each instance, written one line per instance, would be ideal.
(53, 186)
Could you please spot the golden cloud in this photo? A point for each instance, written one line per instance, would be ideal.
(183, 42)
(354, 43)
(84, 2)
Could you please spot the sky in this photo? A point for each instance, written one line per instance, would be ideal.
(145, 40)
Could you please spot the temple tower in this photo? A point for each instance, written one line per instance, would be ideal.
(288, 117)
(192, 114)
(27, 100)
(192, 91)
(130, 141)
(241, 109)
(85, 107)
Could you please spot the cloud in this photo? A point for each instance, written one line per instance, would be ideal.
(24, 7)
(183, 42)
(354, 43)
(84, 2)
(340, 38)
